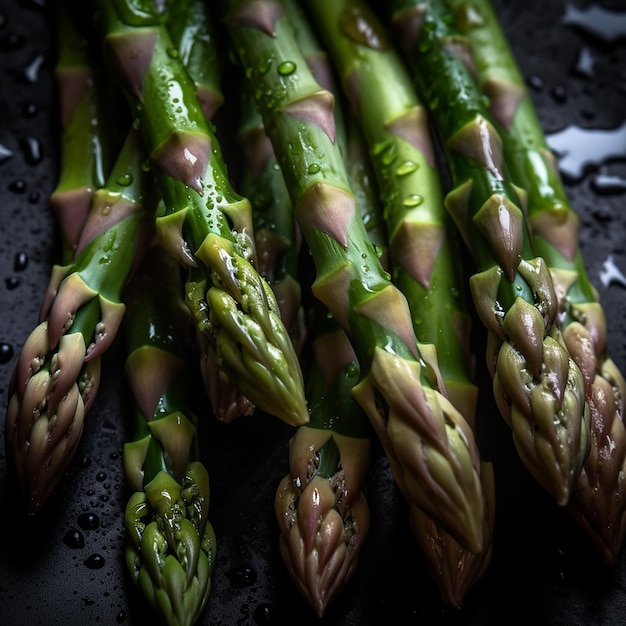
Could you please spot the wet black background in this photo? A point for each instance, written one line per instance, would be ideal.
(543, 570)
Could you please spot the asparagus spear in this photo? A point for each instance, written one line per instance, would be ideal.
(205, 224)
(85, 136)
(193, 34)
(423, 249)
(171, 546)
(537, 385)
(599, 497)
(320, 506)
(58, 372)
(398, 388)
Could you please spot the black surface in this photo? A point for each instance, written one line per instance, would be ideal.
(543, 570)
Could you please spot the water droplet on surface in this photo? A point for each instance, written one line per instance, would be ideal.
(31, 71)
(74, 539)
(601, 23)
(313, 168)
(32, 150)
(579, 148)
(286, 68)
(12, 282)
(413, 201)
(88, 521)
(5, 153)
(124, 180)
(6, 352)
(611, 274)
(605, 184)
(100, 476)
(535, 82)
(10, 42)
(584, 63)
(20, 261)
(30, 110)
(17, 186)
(241, 576)
(94, 561)
(559, 93)
(408, 167)
(120, 618)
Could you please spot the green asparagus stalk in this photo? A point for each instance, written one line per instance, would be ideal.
(193, 34)
(205, 224)
(58, 372)
(191, 28)
(85, 139)
(274, 228)
(398, 387)
(320, 506)
(422, 246)
(537, 385)
(599, 497)
(171, 546)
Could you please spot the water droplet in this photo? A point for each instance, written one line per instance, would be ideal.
(30, 110)
(17, 186)
(124, 180)
(5, 153)
(286, 68)
(31, 71)
(32, 150)
(10, 42)
(313, 168)
(12, 282)
(584, 63)
(535, 82)
(100, 476)
(120, 618)
(74, 539)
(606, 184)
(597, 21)
(611, 274)
(265, 66)
(33, 197)
(20, 261)
(263, 614)
(85, 462)
(241, 576)
(94, 561)
(88, 521)
(408, 167)
(413, 200)
(6, 352)
(559, 93)
(172, 53)
(578, 148)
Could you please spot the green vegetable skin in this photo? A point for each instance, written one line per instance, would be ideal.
(205, 224)
(423, 252)
(599, 496)
(85, 136)
(398, 389)
(537, 385)
(171, 549)
(58, 372)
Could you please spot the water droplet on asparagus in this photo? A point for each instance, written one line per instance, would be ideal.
(286, 68)
(413, 201)
(360, 28)
(408, 167)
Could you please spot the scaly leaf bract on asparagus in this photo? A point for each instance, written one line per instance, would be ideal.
(58, 372)
(85, 136)
(538, 387)
(171, 548)
(599, 499)
(398, 390)
(205, 224)
(422, 248)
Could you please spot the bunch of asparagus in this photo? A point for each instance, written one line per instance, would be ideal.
(334, 124)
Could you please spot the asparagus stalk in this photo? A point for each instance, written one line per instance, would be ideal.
(171, 546)
(205, 224)
(599, 497)
(274, 228)
(320, 506)
(191, 28)
(398, 388)
(538, 387)
(422, 246)
(58, 372)
(85, 136)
